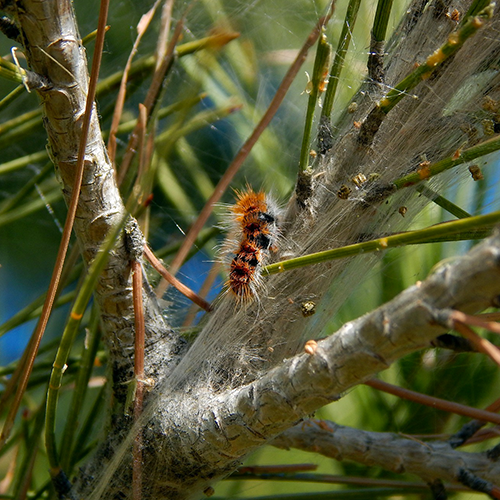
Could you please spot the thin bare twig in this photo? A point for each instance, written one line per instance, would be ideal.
(433, 402)
(174, 281)
(205, 288)
(470, 432)
(483, 321)
(150, 98)
(139, 376)
(274, 469)
(120, 98)
(166, 20)
(460, 322)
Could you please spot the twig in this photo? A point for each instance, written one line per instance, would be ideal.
(139, 376)
(204, 290)
(478, 484)
(174, 281)
(453, 342)
(459, 321)
(433, 402)
(340, 53)
(166, 20)
(273, 469)
(377, 43)
(150, 99)
(411, 237)
(454, 43)
(120, 98)
(427, 460)
(438, 490)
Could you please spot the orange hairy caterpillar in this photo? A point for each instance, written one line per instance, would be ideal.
(256, 220)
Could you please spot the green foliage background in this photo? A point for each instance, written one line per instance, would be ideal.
(246, 73)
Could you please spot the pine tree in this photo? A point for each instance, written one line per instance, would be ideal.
(184, 407)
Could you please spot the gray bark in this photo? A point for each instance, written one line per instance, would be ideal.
(430, 461)
(197, 430)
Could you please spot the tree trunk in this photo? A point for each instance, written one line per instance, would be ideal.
(242, 383)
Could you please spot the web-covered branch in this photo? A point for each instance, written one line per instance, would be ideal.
(214, 430)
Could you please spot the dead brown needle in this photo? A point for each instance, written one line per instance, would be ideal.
(175, 282)
(460, 323)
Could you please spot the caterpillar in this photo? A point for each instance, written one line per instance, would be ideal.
(256, 220)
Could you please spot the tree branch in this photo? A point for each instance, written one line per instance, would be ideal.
(429, 461)
(195, 429)
(214, 432)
